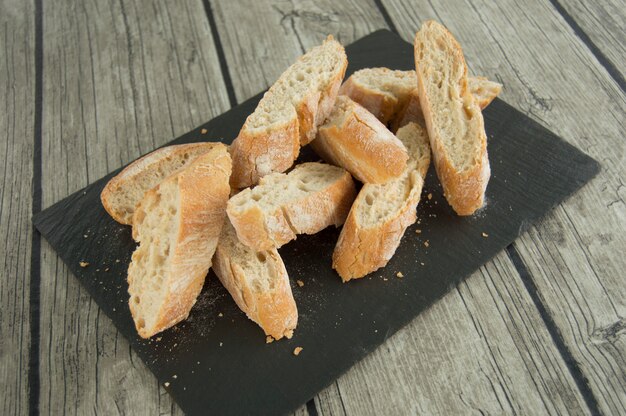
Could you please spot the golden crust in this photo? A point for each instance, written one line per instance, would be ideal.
(465, 189)
(381, 104)
(274, 310)
(203, 194)
(142, 166)
(263, 231)
(362, 145)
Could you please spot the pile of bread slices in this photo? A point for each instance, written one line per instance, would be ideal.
(202, 205)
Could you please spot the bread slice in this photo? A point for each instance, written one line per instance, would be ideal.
(354, 139)
(288, 114)
(391, 95)
(382, 91)
(305, 201)
(483, 90)
(453, 118)
(121, 194)
(381, 213)
(258, 282)
(177, 225)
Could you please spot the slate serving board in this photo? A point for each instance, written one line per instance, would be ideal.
(221, 364)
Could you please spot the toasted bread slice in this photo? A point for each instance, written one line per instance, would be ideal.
(305, 201)
(288, 114)
(258, 282)
(453, 118)
(354, 139)
(391, 95)
(121, 194)
(177, 225)
(381, 213)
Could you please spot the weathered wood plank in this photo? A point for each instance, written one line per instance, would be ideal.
(483, 346)
(574, 255)
(17, 92)
(603, 22)
(121, 77)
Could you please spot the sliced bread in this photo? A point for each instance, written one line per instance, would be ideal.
(121, 194)
(354, 139)
(453, 118)
(177, 225)
(305, 201)
(381, 213)
(288, 114)
(382, 91)
(258, 282)
(391, 95)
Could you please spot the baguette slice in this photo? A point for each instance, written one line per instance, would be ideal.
(258, 282)
(177, 225)
(288, 114)
(305, 201)
(391, 95)
(121, 194)
(483, 90)
(382, 91)
(453, 118)
(354, 139)
(381, 213)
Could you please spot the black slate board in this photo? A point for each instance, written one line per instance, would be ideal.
(222, 364)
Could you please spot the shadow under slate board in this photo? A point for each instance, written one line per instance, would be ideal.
(217, 362)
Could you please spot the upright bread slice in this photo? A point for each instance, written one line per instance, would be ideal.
(354, 139)
(258, 283)
(121, 194)
(381, 213)
(382, 91)
(177, 225)
(305, 201)
(391, 95)
(453, 118)
(288, 114)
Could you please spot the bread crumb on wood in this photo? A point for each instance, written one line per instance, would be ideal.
(297, 350)
(300, 283)
(269, 339)
(485, 235)
(204, 131)
(426, 243)
(83, 263)
(399, 274)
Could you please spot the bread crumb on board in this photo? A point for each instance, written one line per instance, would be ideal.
(166, 384)
(418, 231)
(204, 131)
(289, 334)
(399, 274)
(83, 264)
(426, 243)
(430, 196)
(300, 283)
(220, 314)
(485, 235)
(297, 350)
(269, 339)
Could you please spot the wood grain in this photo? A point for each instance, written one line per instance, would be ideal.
(487, 332)
(121, 78)
(17, 89)
(572, 256)
(603, 23)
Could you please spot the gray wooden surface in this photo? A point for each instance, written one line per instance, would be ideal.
(88, 86)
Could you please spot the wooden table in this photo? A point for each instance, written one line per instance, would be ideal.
(87, 86)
